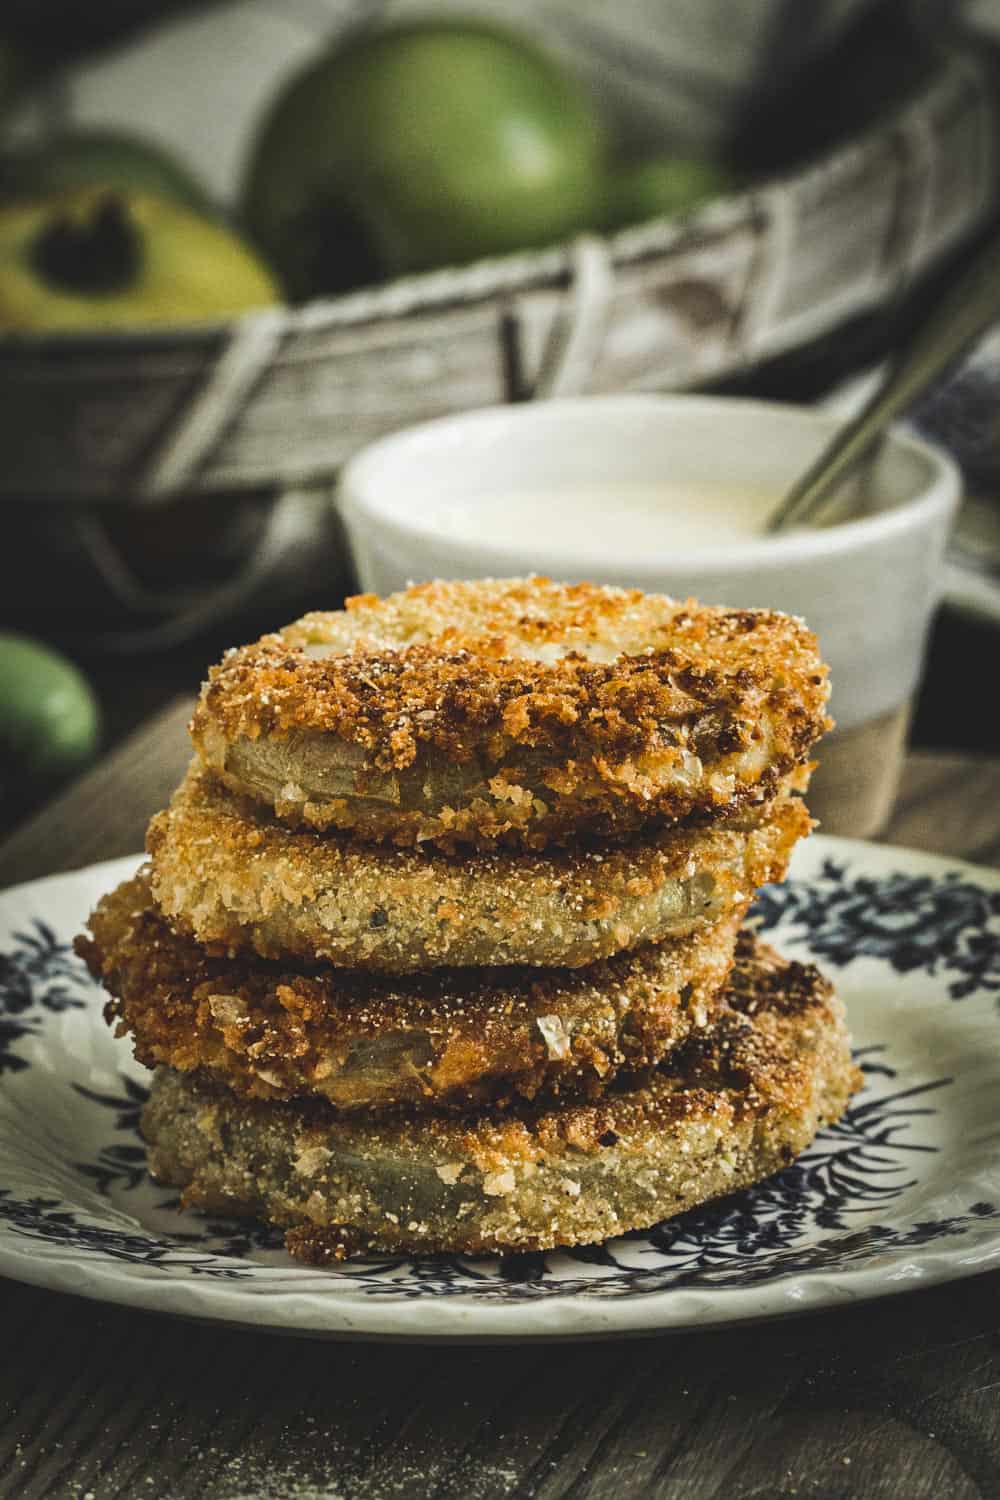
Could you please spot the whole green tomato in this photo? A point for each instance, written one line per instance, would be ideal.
(421, 146)
(665, 185)
(49, 719)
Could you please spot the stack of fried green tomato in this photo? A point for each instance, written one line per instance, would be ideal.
(440, 945)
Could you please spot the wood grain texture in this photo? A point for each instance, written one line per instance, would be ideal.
(898, 1400)
(104, 814)
(895, 1400)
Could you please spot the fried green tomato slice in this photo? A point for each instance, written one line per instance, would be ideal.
(517, 712)
(447, 1038)
(742, 1099)
(224, 871)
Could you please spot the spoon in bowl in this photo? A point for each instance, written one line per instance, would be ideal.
(933, 347)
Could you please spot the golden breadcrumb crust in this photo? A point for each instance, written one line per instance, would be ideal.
(741, 1100)
(451, 1038)
(515, 711)
(224, 871)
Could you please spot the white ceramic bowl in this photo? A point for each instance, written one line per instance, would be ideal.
(867, 587)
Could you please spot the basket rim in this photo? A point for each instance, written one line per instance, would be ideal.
(493, 277)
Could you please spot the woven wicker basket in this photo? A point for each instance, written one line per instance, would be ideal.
(282, 398)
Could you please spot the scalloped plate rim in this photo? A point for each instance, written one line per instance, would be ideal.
(570, 1317)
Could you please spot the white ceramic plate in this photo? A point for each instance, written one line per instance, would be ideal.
(904, 1191)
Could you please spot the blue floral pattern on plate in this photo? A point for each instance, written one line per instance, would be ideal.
(914, 945)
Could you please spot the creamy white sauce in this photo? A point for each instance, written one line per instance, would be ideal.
(620, 520)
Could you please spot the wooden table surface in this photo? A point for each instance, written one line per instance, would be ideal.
(895, 1399)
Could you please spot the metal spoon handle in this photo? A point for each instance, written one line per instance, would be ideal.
(969, 308)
